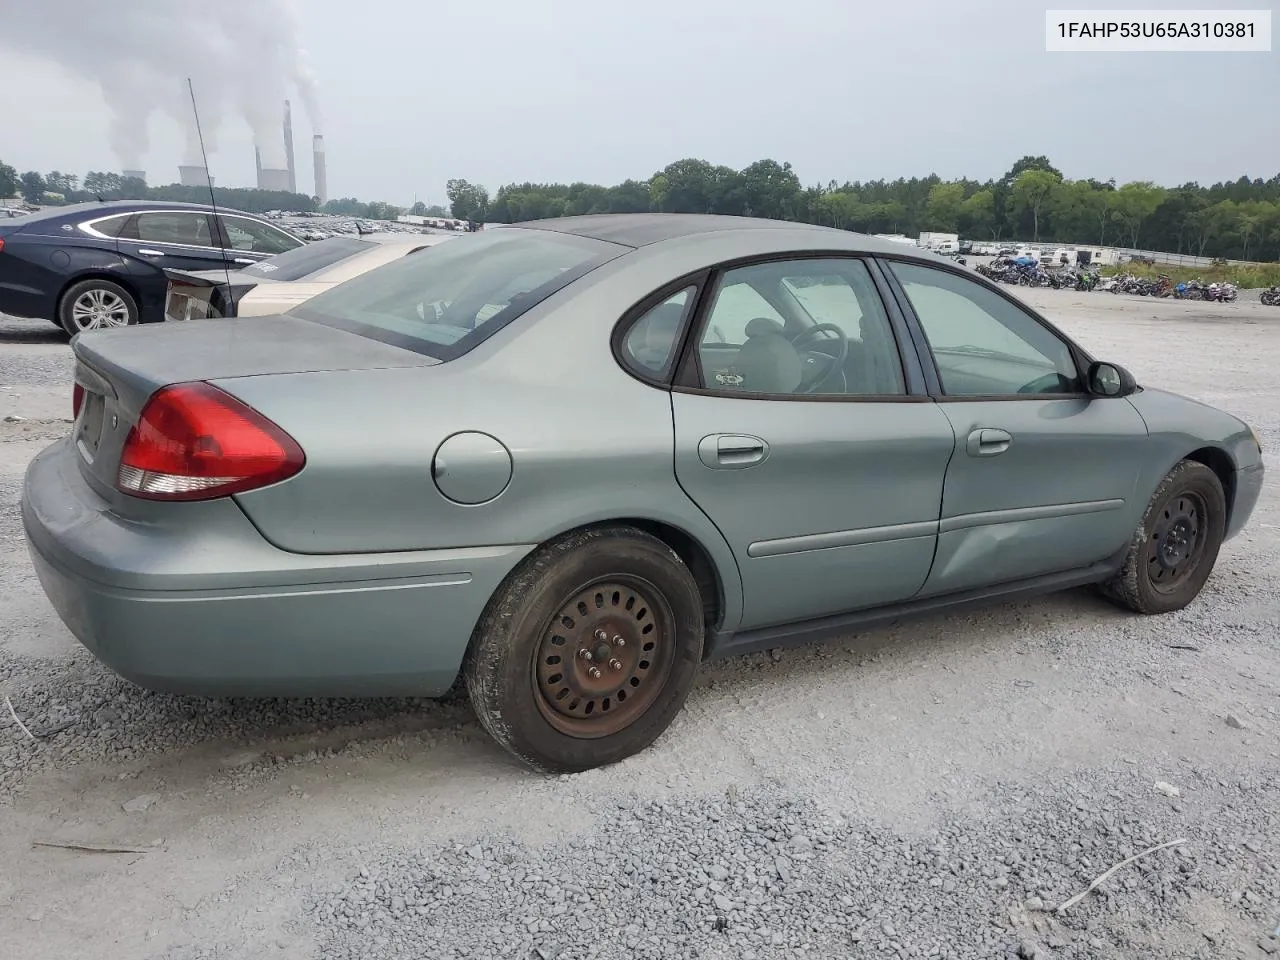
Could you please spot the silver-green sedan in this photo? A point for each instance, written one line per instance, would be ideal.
(569, 460)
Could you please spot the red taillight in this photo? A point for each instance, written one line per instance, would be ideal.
(196, 442)
(1, 244)
(77, 400)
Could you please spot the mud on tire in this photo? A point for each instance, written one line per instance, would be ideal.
(588, 650)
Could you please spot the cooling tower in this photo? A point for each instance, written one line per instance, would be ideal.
(273, 179)
(192, 176)
(288, 148)
(135, 175)
(322, 183)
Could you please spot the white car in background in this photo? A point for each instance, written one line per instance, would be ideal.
(280, 283)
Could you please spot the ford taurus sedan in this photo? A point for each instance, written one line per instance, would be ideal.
(570, 460)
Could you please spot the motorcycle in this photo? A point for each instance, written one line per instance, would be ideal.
(1272, 297)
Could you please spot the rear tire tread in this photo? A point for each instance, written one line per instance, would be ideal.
(500, 645)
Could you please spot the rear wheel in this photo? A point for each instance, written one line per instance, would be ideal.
(95, 304)
(1175, 547)
(588, 650)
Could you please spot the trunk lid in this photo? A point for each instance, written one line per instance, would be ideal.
(119, 369)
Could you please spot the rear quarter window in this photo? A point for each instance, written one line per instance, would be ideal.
(445, 300)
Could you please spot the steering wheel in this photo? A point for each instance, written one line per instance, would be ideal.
(838, 359)
(1049, 383)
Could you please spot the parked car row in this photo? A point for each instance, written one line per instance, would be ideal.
(93, 265)
(278, 283)
(569, 460)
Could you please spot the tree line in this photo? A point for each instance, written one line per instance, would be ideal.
(1033, 201)
(1237, 219)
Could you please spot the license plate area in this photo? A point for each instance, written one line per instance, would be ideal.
(89, 424)
(185, 304)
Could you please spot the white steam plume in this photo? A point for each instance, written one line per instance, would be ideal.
(241, 56)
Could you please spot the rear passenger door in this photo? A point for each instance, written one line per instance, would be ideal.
(172, 239)
(823, 472)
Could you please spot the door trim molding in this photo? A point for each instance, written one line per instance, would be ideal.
(784, 546)
(966, 521)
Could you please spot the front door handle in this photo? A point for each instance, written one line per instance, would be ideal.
(150, 253)
(243, 260)
(987, 442)
(731, 451)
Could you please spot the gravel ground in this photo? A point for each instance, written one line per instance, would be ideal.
(934, 789)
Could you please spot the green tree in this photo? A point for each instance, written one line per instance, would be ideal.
(32, 186)
(944, 206)
(978, 214)
(1031, 192)
(8, 180)
(771, 189)
(468, 201)
(1134, 203)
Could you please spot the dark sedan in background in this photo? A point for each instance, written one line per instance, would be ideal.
(92, 265)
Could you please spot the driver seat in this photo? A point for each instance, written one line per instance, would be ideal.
(767, 362)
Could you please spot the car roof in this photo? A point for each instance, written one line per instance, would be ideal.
(642, 229)
(108, 207)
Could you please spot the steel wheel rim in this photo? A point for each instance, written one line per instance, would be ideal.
(604, 657)
(99, 308)
(1177, 543)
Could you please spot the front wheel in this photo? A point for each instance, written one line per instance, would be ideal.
(587, 652)
(94, 304)
(1176, 545)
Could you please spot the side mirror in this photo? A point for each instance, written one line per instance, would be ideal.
(1110, 380)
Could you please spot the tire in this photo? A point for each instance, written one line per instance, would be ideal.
(527, 669)
(96, 304)
(1147, 582)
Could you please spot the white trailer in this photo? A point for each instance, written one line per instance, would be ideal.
(932, 241)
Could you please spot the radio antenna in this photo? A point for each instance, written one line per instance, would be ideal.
(208, 180)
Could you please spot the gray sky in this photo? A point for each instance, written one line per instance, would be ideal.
(416, 91)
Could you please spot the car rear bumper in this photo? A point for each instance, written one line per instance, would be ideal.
(207, 606)
(1248, 490)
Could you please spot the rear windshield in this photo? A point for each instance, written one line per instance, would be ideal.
(307, 259)
(446, 299)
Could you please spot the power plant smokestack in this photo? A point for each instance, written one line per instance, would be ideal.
(288, 148)
(317, 155)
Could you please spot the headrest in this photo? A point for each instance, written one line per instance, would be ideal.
(763, 326)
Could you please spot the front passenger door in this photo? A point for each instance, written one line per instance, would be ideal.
(249, 241)
(1045, 474)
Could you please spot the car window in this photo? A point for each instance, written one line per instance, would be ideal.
(309, 258)
(111, 226)
(650, 344)
(254, 237)
(983, 344)
(446, 299)
(754, 338)
(191, 229)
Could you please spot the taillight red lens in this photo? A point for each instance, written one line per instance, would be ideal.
(1, 244)
(196, 442)
(77, 400)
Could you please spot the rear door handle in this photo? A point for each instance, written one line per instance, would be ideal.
(731, 451)
(243, 260)
(150, 253)
(988, 442)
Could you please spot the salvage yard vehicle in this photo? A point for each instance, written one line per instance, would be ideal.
(569, 460)
(91, 265)
(278, 283)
